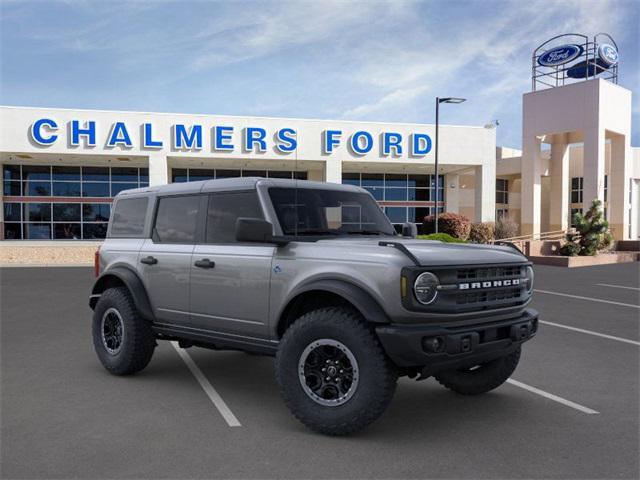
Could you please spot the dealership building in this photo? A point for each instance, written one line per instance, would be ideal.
(62, 167)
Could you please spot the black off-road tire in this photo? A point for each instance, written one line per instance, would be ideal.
(377, 376)
(482, 379)
(138, 340)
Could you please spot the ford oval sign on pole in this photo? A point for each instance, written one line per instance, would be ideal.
(608, 54)
(560, 55)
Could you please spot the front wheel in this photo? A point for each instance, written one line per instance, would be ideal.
(332, 372)
(480, 378)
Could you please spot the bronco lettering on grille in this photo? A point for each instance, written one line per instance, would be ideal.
(489, 284)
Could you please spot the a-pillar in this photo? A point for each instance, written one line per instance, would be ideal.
(531, 186)
(593, 167)
(618, 188)
(158, 169)
(333, 171)
(559, 206)
(485, 192)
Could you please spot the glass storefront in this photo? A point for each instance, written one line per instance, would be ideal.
(417, 192)
(75, 203)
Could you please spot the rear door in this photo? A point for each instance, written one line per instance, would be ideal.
(165, 259)
(230, 280)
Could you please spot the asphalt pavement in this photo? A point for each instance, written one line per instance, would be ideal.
(572, 410)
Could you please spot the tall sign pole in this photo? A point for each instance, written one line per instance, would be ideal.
(436, 162)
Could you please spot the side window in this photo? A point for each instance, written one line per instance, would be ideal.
(176, 219)
(128, 217)
(224, 210)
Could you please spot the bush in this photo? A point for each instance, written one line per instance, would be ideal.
(592, 233)
(453, 224)
(506, 228)
(482, 232)
(442, 237)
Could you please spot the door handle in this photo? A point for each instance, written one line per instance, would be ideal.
(205, 263)
(149, 260)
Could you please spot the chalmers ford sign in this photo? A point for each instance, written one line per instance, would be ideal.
(196, 137)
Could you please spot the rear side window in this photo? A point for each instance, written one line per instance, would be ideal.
(128, 217)
(224, 210)
(176, 219)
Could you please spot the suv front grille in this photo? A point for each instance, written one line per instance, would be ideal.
(489, 272)
(487, 297)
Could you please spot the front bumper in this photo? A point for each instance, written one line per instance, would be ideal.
(441, 348)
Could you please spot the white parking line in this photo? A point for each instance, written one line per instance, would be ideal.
(555, 398)
(616, 286)
(213, 395)
(588, 298)
(590, 332)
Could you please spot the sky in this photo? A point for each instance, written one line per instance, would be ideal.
(368, 60)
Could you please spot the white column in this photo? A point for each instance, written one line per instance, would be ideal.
(452, 192)
(158, 169)
(593, 167)
(531, 188)
(559, 204)
(618, 188)
(333, 171)
(485, 192)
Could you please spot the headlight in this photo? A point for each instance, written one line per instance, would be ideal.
(529, 279)
(425, 288)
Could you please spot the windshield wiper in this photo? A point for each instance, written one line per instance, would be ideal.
(366, 232)
(315, 232)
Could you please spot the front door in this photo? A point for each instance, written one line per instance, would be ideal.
(166, 258)
(230, 281)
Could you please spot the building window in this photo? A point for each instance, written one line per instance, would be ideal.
(606, 187)
(68, 212)
(576, 190)
(502, 191)
(195, 174)
(573, 212)
(502, 213)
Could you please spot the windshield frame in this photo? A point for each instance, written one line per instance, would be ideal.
(383, 228)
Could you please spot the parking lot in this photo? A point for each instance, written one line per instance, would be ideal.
(570, 411)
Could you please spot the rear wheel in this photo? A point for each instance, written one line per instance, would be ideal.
(332, 372)
(123, 341)
(480, 378)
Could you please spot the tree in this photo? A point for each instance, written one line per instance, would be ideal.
(592, 233)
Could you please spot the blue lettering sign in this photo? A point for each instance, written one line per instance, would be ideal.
(89, 131)
(359, 147)
(331, 139)
(147, 137)
(37, 134)
(420, 144)
(560, 55)
(608, 54)
(255, 136)
(222, 137)
(391, 140)
(186, 139)
(286, 140)
(119, 136)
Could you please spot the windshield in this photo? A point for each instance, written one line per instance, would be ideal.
(307, 211)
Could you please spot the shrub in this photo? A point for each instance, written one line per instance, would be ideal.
(454, 224)
(506, 228)
(592, 233)
(442, 237)
(482, 232)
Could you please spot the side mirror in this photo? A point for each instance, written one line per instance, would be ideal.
(256, 230)
(409, 230)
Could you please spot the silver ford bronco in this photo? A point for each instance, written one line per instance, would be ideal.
(315, 274)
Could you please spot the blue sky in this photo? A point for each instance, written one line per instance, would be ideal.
(374, 61)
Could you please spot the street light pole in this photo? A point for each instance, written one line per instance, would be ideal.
(438, 102)
(436, 162)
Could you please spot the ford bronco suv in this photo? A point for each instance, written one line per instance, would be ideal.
(314, 274)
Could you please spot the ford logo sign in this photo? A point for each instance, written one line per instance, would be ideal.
(608, 54)
(560, 55)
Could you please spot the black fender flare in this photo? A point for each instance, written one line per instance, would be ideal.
(362, 300)
(132, 281)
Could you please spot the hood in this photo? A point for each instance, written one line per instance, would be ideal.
(432, 253)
